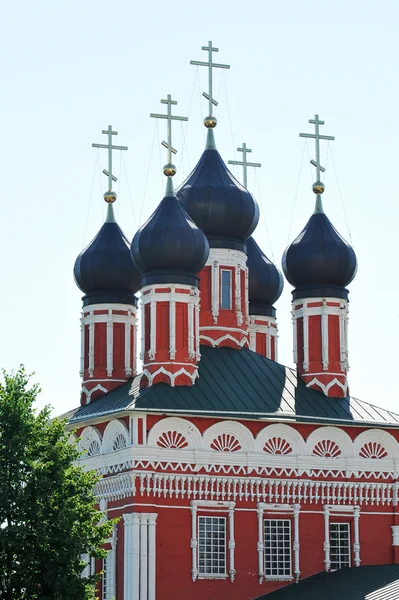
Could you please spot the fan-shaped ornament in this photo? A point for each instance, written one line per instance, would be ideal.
(172, 439)
(226, 443)
(94, 448)
(277, 445)
(373, 450)
(327, 449)
(119, 442)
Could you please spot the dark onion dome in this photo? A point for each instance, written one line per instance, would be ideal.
(169, 247)
(218, 204)
(319, 262)
(104, 270)
(265, 281)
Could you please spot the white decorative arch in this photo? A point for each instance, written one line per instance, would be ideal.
(90, 441)
(72, 438)
(329, 438)
(181, 433)
(280, 439)
(374, 439)
(116, 436)
(226, 432)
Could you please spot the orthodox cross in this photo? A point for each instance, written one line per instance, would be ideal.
(109, 147)
(210, 66)
(244, 163)
(169, 169)
(316, 163)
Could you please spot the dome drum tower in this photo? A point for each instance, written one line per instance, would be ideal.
(320, 264)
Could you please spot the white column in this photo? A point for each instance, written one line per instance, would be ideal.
(215, 291)
(260, 545)
(143, 331)
(194, 542)
(327, 562)
(172, 326)
(238, 295)
(82, 346)
(153, 330)
(305, 341)
(190, 308)
(128, 364)
(91, 349)
(324, 335)
(110, 344)
(152, 518)
(131, 565)
(296, 545)
(134, 325)
(294, 337)
(232, 543)
(111, 569)
(252, 334)
(356, 545)
(196, 329)
(143, 556)
(268, 341)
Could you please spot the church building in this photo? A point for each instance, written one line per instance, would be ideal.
(231, 474)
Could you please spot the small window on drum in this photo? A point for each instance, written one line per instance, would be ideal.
(225, 301)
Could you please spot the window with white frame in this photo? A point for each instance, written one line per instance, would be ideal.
(225, 297)
(211, 546)
(104, 594)
(277, 548)
(340, 554)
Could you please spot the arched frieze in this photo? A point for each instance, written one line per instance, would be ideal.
(329, 442)
(279, 439)
(116, 436)
(375, 444)
(175, 433)
(228, 436)
(90, 441)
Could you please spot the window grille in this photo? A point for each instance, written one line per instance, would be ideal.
(277, 541)
(339, 545)
(226, 289)
(212, 546)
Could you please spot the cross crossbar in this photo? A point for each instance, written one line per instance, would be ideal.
(210, 64)
(109, 132)
(168, 145)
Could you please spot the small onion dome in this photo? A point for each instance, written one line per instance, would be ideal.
(225, 211)
(319, 262)
(169, 247)
(265, 281)
(104, 270)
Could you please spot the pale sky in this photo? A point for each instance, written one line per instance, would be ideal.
(69, 69)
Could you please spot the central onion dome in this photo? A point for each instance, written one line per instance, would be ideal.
(169, 247)
(319, 262)
(104, 270)
(265, 281)
(219, 205)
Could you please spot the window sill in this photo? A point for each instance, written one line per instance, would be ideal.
(224, 576)
(278, 578)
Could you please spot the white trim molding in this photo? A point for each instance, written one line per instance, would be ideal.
(352, 511)
(139, 556)
(215, 507)
(290, 509)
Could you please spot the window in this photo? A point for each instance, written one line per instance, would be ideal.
(212, 546)
(226, 289)
(277, 540)
(339, 545)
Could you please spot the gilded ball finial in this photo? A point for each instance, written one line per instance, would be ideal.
(210, 122)
(110, 197)
(318, 187)
(169, 170)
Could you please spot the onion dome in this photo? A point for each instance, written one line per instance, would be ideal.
(265, 281)
(319, 262)
(104, 270)
(169, 247)
(225, 211)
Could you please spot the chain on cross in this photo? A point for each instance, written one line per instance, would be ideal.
(109, 196)
(244, 163)
(318, 186)
(210, 121)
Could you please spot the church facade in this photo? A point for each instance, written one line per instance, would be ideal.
(231, 475)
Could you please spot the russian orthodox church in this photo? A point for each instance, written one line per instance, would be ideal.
(231, 474)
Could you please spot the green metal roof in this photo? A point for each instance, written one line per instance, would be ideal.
(361, 583)
(238, 384)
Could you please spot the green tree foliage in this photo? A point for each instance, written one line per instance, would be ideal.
(48, 518)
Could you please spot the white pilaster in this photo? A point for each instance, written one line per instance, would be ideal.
(238, 295)
(232, 543)
(215, 290)
(143, 331)
(82, 347)
(356, 545)
(197, 334)
(153, 330)
(110, 344)
(172, 326)
(190, 309)
(327, 562)
(152, 518)
(260, 545)
(128, 365)
(111, 569)
(305, 342)
(131, 565)
(296, 545)
(194, 542)
(91, 349)
(324, 335)
(143, 556)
